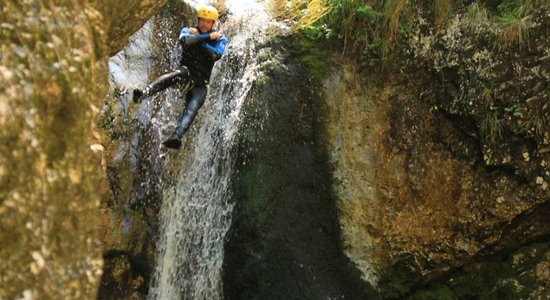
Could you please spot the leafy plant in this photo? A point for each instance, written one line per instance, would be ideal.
(368, 12)
(393, 13)
(370, 26)
(514, 110)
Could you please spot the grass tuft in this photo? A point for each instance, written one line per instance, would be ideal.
(476, 16)
(513, 19)
(490, 127)
(300, 14)
(443, 9)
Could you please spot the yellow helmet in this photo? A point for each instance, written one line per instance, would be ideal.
(207, 12)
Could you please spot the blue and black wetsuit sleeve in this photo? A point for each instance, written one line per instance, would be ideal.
(218, 49)
(186, 38)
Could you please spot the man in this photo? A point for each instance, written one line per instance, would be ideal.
(202, 46)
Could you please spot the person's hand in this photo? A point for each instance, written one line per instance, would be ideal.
(193, 30)
(215, 36)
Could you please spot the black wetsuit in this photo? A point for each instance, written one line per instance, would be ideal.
(199, 53)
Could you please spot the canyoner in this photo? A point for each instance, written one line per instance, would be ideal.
(201, 47)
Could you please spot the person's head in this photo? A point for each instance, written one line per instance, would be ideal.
(207, 16)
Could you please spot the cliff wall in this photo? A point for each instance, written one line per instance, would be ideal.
(441, 160)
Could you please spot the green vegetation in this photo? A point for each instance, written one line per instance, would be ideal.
(443, 9)
(371, 28)
(368, 27)
(536, 122)
(490, 127)
(301, 14)
(513, 21)
(476, 16)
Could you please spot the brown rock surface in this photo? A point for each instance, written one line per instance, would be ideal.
(426, 186)
(53, 79)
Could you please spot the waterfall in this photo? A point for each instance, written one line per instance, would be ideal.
(195, 212)
(191, 185)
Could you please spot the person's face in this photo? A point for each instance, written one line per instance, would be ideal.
(205, 25)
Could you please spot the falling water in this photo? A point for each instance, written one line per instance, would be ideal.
(195, 213)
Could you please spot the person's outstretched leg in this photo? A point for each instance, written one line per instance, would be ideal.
(195, 100)
(161, 83)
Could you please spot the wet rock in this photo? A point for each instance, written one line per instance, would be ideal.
(123, 18)
(123, 277)
(135, 164)
(284, 240)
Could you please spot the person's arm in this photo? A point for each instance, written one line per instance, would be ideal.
(216, 51)
(187, 38)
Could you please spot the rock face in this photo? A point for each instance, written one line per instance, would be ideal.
(441, 163)
(50, 180)
(284, 242)
(123, 18)
(53, 79)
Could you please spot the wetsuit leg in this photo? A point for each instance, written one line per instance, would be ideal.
(162, 83)
(195, 100)
(167, 80)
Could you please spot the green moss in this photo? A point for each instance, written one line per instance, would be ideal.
(314, 57)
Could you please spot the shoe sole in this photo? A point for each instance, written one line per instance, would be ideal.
(172, 144)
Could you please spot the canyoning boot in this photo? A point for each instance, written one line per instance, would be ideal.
(174, 141)
(138, 95)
